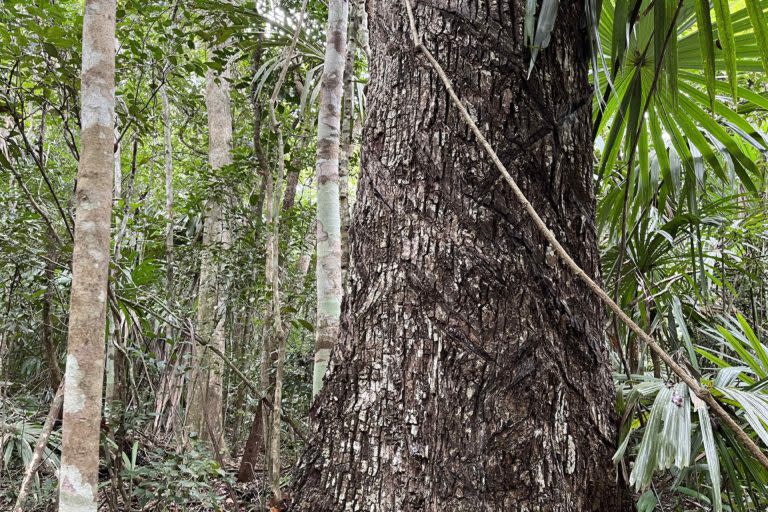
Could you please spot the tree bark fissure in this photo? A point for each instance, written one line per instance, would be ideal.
(472, 369)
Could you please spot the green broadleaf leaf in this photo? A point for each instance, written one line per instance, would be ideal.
(670, 57)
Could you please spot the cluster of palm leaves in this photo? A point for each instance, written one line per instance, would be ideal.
(679, 112)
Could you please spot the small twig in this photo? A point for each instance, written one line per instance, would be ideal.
(40, 165)
(541, 226)
(35, 206)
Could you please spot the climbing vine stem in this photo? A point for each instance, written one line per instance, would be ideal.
(700, 391)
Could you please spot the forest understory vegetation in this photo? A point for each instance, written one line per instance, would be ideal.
(387, 256)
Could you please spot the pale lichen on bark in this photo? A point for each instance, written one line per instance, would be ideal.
(77, 495)
(74, 399)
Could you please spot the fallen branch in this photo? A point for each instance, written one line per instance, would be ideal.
(683, 374)
(42, 442)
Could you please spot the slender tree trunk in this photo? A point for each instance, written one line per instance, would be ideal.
(267, 383)
(277, 410)
(168, 411)
(205, 414)
(6, 125)
(274, 324)
(362, 26)
(165, 403)
(262, 168)
(291, 181)
(255, 443)
(168, 166)
(117, 186)
(472, 372)
(302, 266)
(51, 352)
(4, 345)
(116, 390)
(51, 259)
(347, 130)
(329, 283)
(274, 332)
(117, 194)
(79, 475)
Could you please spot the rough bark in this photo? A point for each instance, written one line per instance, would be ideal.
(78, 476)
(329, 283)
(205, 413)
(254, 447)
(291, 182)
(473, 372)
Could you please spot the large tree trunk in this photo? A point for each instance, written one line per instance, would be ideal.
(472, 372)
(79, 473)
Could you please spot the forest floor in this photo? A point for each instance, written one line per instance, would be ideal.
(174, 485)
